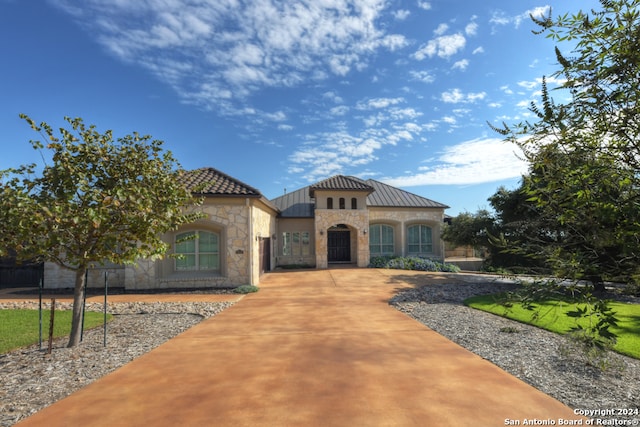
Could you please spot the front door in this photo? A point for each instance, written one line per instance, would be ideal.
(339, 246)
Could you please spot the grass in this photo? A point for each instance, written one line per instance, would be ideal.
(20, 328)
(551, 316)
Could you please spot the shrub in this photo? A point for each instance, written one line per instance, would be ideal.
(245, 289)
(411, 263)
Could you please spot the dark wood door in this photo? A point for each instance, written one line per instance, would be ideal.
(339, 246)
(265, 255)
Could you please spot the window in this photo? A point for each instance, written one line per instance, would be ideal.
(342, 203)
(296, 243)
(381, 240)
(354, 203)
(419, 239)
(199, 250)
(329, 202)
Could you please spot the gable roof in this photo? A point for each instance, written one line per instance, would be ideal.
(301, 203)
(212, 182)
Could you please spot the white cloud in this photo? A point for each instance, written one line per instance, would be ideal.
(461, 65)
(443, 46)
(423, 76)
(285, 127)
(339, 111)
(456, 96)
(424, 5)
(401, 14)
(442, 28)
(471, 29)
(216, 53)
(501, 18)
(377, 103)
(388, 124)
(478, 50)
(470, 162)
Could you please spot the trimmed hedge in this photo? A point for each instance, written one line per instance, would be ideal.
(411, 263)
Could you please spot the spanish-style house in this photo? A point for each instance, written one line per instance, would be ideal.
(342, 219)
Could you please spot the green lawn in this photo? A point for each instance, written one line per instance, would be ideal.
(551, 317)
(20, 328)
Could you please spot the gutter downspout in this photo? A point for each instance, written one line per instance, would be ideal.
(250, 228)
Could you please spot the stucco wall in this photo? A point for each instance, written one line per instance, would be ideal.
(295, 225)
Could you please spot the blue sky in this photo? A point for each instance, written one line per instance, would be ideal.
(281, 94)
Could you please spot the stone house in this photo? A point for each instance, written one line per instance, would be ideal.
(341, 219)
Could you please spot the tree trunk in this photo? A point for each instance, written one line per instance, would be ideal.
(78, 301)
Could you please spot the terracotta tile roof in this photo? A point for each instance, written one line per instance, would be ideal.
(340, 182)
(210, 182)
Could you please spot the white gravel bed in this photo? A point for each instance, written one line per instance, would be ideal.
(30, 379)
(543, 359)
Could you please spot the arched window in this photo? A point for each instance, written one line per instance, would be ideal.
(419, 239)
(381, 240)
(354, 203)
(198, 250)
(342, 206)
(329, 202)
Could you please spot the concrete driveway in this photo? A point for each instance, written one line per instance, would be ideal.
(312, 348)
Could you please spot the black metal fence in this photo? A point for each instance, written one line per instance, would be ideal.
(16, 275)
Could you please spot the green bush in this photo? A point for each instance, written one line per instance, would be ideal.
(411, 263)
(245, 289)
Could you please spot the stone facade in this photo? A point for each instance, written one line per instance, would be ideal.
(400, 219)
(246, 223)
(358, 223)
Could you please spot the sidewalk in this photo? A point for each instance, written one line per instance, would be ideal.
(312, 348)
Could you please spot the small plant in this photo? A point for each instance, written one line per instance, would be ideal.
(246, 289)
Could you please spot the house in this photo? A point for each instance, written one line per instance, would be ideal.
(342, 219)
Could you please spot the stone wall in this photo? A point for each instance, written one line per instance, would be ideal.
(263, 226)
(56, 277)
(401, 218)
(358, 222)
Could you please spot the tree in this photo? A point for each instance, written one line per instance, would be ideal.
(585, 152)
(98, 201)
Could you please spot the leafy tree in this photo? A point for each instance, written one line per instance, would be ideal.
(469, 229)
(585, 150)
(98, 201)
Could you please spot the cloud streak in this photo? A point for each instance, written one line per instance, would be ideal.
(215, 54)
(471, 162)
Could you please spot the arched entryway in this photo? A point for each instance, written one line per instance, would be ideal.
(339, 244)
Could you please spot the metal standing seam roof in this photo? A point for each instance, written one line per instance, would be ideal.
(211, 182)
(388, 196)
(296, 204)
(300, 203)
